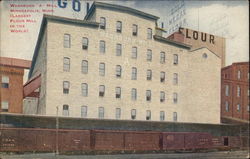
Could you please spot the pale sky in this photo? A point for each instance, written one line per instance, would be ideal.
(21, 45)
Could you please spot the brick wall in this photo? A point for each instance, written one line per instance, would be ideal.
(229, 76)
(13, 94)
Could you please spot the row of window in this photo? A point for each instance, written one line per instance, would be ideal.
(119, 28)
(238, 106)
(134, 51)
(118, 92)
(118, 71)
(239, 75)
(227, 90)
(84, 113)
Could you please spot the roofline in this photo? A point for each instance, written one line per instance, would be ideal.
(14, 62)
(235, 63)
(162, 39)
(205, 48)
(119, 8)
(47, 18)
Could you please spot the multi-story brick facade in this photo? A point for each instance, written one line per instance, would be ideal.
(235, 91)
(115, 64)
(11, 92)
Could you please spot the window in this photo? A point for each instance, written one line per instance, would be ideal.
(175, 98)
(135, 29)
(84, 111)
(102, 23)
(162, 115)
(248, 92)
(65, 87)
(134, 73)
(84, 66)
(238, 91)
(84, 89)
(118, 113)
(148, 115)
(148, 95)
(175, 59)
(175, 116)
(85, 43)
(5, 82)
(5, 106)
(118, 92)
(102, 46)
(149, 55)
(226, 106)
(134, 52)
(65, 110)
(118, 71)
(66, 64)
(162, 59)
(149, 74)
(175, 79)
(238, 107)
(162, 77)
(102, 69)
(133, 94)
(101, 112)
(66, 41)
(227, 90)
(133, 114)
(149, 33)
(204, 55)
(239, 74)
(101, 90)
(119, 26)
(162, 96)
(118, 49)
(248, 108)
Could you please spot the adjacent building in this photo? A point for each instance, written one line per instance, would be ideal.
(11, 92)
(235, 92)
(199, 39)
(115, 64)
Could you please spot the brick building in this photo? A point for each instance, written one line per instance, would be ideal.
(11, 92)
(115, 64)
(235, 92)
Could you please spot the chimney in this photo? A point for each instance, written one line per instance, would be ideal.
(87, 7)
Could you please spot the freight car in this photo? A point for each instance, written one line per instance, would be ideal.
(91, 141)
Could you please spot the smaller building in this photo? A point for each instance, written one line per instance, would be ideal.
(11, 75)
(235, 93)
(199, 39)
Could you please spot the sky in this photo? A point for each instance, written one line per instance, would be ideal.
(21, 45)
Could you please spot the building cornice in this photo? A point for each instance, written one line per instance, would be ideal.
(234, 64)
(120, 9)
(165, 40)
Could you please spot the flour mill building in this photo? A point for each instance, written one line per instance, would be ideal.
(115, 64)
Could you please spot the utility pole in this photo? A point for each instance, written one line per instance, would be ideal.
(57, 127)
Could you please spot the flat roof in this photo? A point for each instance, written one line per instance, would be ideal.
(14, 62)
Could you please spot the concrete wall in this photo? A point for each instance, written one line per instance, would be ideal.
(28, 121)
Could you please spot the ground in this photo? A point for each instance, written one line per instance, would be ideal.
(208, 155)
